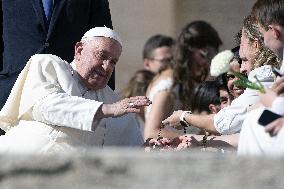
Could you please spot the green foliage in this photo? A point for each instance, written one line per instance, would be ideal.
(244, 82)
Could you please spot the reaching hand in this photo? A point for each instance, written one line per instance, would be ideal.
(278, 86)
(270, 94)
(268, 97)
(173, 120)
(274, 127)
(127, 105)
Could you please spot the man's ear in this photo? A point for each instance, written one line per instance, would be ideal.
(213, 109)
(146, 63)
(78, 50)
(276, 31)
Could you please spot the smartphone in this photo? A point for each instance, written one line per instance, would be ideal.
(267, 117)
(277, 72)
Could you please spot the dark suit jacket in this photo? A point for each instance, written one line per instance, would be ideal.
(25, 32)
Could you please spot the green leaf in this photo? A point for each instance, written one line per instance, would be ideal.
(244, 82)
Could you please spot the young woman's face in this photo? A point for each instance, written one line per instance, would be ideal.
(200, 60)
(224, 98)
(234, 90)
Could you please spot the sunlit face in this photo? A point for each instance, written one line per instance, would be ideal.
(271, 41)
(161, 58)
(95, 61)
(247, 54)
(233, 89)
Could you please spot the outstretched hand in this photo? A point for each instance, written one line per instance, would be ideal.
(124, 106)
(277, 89)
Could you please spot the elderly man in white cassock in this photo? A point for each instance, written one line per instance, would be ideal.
(56, 107)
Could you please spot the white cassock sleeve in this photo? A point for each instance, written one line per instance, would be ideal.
(62, 109)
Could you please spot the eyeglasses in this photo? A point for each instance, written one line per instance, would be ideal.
(164, 60)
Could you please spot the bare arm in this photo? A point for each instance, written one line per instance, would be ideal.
(162, 106)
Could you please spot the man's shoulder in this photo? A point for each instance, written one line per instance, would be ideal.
(41, 57)
(45, 61)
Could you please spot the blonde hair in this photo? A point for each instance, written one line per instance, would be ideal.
(264, 56)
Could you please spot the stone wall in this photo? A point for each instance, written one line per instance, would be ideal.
(137, 20)
(126, 168)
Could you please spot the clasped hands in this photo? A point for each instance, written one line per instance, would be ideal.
(178, 143)
(164, 144)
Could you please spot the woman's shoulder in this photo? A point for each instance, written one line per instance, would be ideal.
(162, 77)
(164, 84)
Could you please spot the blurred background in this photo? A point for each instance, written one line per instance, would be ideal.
(137, 20)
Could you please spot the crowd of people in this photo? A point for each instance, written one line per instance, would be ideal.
(177, 102)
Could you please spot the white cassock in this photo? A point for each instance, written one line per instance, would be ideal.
(50, 111)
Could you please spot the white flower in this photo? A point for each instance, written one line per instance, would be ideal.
(221, 63)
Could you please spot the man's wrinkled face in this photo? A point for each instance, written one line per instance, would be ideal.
(95, 61)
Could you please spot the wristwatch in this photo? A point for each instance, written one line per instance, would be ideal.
(182, 119)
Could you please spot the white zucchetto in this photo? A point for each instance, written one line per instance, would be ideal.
(102, 32)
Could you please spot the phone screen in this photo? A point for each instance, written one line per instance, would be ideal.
(267, 117)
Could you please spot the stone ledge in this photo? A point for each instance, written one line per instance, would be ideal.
(128, 168)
